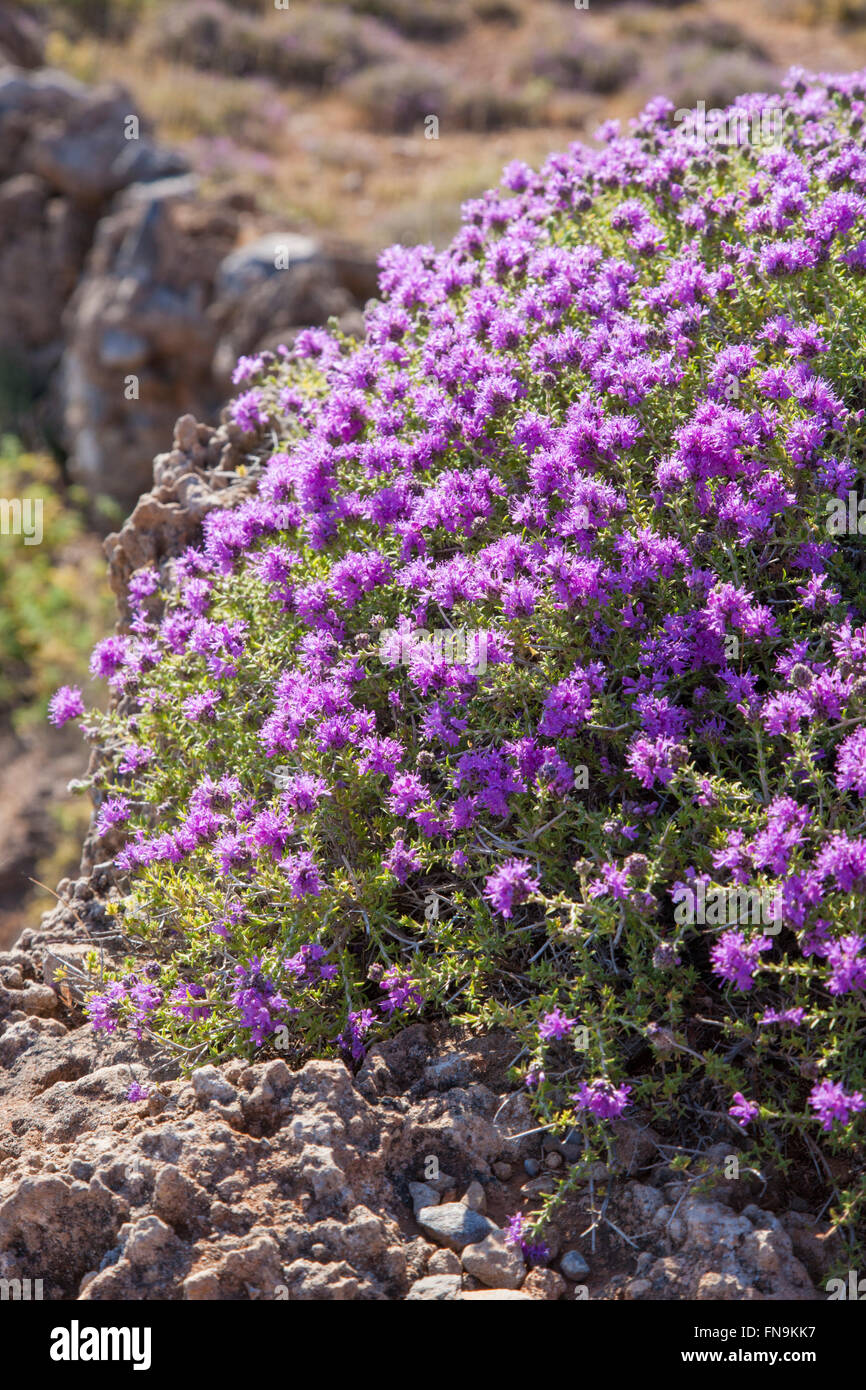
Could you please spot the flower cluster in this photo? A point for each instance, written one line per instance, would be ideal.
(606, 428)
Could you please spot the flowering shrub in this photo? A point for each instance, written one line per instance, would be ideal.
(604, 428)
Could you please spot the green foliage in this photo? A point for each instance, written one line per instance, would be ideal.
(54, 598)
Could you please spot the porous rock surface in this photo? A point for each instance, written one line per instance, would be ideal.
(260, 1182)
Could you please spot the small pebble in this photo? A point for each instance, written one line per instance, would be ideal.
(573, 1265)
(475, 1198)
(444, 1262)
(532, 1167)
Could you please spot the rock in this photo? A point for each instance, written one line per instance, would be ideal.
(723, 1254)
(203, 1284)
(43, 245)
(79, 156)
(717, 1286)
(544, 1283)
(644, 1201)
(496, 1263)
(121, 349)
(301, 1191)
(148, 1241)
(553, 1160)
(65, 968)
(186, 433)
(260, 301)
(56, 1231)
(532, 1167)
(503, 1171)
(137, 311)
(143, 162)
(423, 1195)
(444, 1262)
(635, 1145)
(814, 1242)
(177, 1199)
(444, 1183)
(454, 1225)
(209, 1084)
(574, 1266)
(475, 1197)
(259, 260)
(127, 295)
(21, 40)
(709, 1225)
(570, 1148)
(436, 1288)
(637, 1289)
(252, 1265)
(540, 1187)
(39, 999)
(451, 1070)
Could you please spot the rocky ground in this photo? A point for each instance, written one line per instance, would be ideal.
(256, 1182)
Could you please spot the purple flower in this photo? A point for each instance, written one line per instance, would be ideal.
(789, 1018)
(655, 760)
(555, 1025)
(304, 791)
(602, 1099)
(303, 874)
(258, 1000)
(568, 705)
(743, 1111)
(402, 991)
(407, 791)
(113, 811)
(135, 757)
(510, 885)
(735, 959)
(137, 1092)
(248, 412)
(844, 860)
(351, 1040)
(104, 1010)
(851, 763)
(183, 1002)
(108, 657)
(202, 705)
(833, 1104)
(65, 704)
(847, 964)
(516, 1233)
(401, 860)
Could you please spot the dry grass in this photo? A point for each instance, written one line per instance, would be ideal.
(336, 144)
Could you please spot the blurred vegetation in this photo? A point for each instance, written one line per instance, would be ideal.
(55, 602)
(317, 111)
